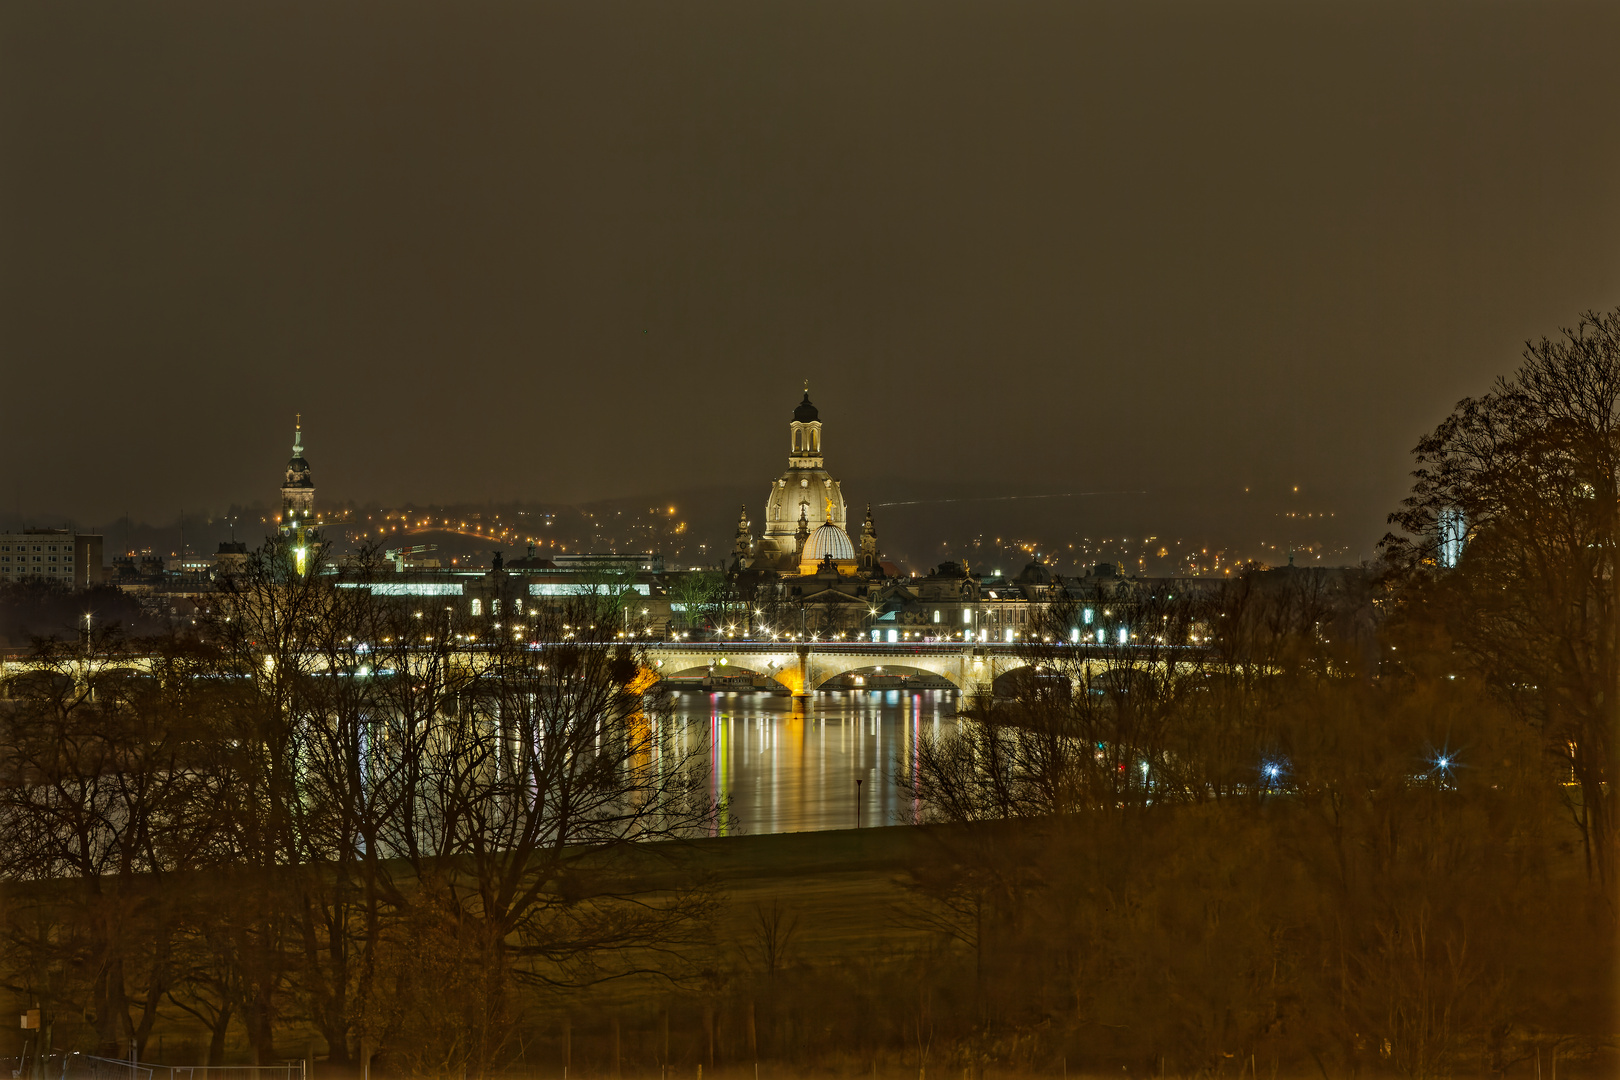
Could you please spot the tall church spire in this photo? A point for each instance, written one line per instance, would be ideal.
(803, 532)
(298, 489)
(869, 549)
(742, 551)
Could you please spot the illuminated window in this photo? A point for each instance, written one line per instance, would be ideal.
(1088, 614)
(1074, 635)
(936, 615)
(477, 607)
(967, 617)
(1007, 637)
(1124, 635)
(494, 607)
(892, 636)
(1099, 635)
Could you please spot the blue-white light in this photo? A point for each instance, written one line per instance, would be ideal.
(1452, 529)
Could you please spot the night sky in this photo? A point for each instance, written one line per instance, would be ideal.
(578, 251)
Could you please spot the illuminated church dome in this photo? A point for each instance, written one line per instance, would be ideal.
(805, 493)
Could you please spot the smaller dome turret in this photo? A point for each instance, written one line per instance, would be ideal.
(1035, 573)
(827, 545)
(829, 540)
(806, 412)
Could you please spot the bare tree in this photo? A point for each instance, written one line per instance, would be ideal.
(1518, 490)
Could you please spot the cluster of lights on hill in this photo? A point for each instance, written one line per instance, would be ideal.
(560, 530)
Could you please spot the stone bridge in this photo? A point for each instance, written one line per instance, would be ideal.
(804, 668)
(798, 667)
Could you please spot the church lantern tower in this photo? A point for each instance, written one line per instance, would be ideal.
(806, 435)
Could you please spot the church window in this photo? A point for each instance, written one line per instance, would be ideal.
(477, 607)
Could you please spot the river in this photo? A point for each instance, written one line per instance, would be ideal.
(790, 765)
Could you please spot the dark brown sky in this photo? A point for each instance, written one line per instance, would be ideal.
(579, 250)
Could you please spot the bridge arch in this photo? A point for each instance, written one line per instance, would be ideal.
(832, 680)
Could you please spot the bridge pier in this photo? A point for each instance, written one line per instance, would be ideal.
(977, 672)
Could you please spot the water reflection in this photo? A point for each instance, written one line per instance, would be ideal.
(792, 765)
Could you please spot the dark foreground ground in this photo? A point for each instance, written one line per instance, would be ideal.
(805, 924)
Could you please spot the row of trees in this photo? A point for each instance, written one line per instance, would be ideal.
(339, 810)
